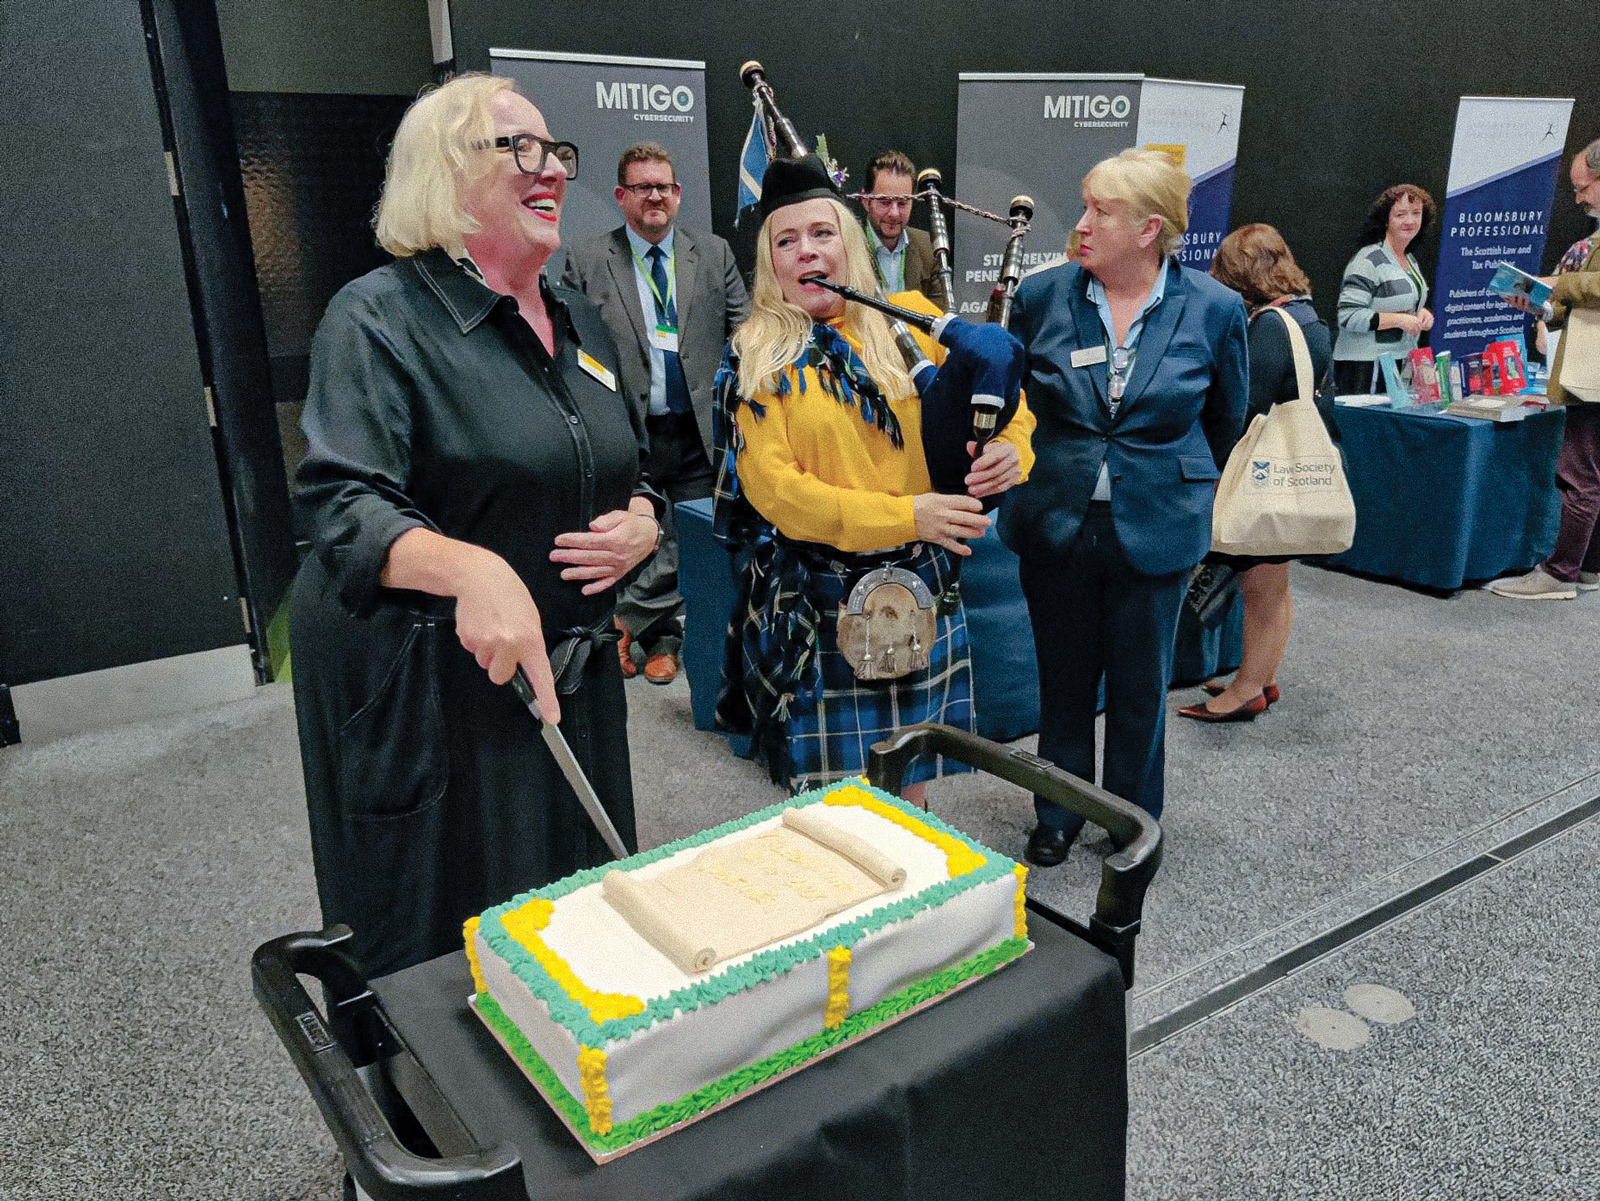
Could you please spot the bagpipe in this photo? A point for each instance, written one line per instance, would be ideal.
(976, 391)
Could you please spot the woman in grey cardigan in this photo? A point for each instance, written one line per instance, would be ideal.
(1382, 298)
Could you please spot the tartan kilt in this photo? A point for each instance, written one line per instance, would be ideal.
(836, 717)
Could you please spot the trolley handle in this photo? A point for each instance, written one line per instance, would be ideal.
(1127, 872)
(372, 1153)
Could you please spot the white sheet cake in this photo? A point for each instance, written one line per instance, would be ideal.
(627, 1045)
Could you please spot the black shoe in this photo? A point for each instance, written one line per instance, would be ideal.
(1047, 846)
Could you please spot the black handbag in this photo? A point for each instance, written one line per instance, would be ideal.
(1212, 587)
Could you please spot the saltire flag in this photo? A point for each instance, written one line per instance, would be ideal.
(752, 165)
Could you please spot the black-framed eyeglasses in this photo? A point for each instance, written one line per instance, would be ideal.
(522, 147)
(644, 191)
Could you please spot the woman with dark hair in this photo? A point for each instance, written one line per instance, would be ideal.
(1382, 299)
(1256, 263)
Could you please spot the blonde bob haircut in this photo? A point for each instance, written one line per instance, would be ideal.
(777, 333)
(434, 164)
(1148, 184)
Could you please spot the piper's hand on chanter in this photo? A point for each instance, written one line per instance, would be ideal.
(945, 520)
(999, 467)
(498, 624)
(613, 545)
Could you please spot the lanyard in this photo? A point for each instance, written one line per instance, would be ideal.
(1416, 280)
(649, 277)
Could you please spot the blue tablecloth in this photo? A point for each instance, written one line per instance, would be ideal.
(1441, 500)
(1005, 682)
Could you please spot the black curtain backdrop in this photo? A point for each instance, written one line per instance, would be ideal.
(1342, 98)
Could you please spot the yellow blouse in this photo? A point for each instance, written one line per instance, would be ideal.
(819, 473)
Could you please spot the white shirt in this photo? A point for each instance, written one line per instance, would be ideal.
(647, 305)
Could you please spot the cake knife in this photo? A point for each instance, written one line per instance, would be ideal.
(568, 763)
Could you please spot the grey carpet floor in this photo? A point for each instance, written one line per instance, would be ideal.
(1488, 1093)
(144, 864)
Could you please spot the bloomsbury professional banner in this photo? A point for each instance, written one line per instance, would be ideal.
(603, 104)
(1034, 135)
(1198, 124)
(1502, 182)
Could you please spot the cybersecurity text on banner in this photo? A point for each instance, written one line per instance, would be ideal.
(1031, 135)
(604, 104)
(1199, 124)
(1502, 182)
(1038, 135)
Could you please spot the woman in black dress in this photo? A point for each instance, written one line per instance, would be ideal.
(1255, 261)
(472, 493)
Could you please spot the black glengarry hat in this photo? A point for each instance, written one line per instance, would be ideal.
(791, 180)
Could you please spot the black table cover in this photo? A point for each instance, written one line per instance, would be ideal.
(1015, 1087)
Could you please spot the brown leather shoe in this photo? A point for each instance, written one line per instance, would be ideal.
(1248, 711)
(625, 651)
(661, 668)
(1217, 688)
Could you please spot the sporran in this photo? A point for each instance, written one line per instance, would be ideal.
(887, 624)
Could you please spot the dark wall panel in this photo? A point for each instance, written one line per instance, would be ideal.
(1342, 98)
(113, 543)
(222, 292)
(313, 166)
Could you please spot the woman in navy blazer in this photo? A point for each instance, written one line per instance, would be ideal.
(1138, 374)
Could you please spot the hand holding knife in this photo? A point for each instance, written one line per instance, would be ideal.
(569, 767)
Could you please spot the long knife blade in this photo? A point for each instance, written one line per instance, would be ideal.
(568, 763)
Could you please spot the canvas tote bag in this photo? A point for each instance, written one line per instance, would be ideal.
(1284, 491)
(1580, 357)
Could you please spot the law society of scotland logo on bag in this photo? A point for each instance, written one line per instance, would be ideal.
(1260, 470)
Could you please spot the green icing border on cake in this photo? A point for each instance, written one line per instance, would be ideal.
(670, 1113)
(766, 965)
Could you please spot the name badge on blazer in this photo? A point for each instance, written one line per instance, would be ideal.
(1089, 356)
(597, 369)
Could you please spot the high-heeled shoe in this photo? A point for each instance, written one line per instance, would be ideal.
(1215, 689)
(1248, 711)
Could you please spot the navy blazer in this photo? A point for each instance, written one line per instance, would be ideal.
(1183, 410)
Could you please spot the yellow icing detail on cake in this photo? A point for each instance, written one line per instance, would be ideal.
(959, 858)
(524, 924)
(838, 1007)
(469, 931)
(596, 1096)
(528, 918)
(1022, 901)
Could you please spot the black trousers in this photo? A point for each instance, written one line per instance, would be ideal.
(650, 606)
(1094, 615)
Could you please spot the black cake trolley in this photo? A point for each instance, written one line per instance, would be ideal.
(1013, 1089)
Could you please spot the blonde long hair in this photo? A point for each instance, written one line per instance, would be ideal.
(777, 333)
(433, 165)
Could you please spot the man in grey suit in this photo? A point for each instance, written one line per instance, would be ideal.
(671, 300)
(904, 256)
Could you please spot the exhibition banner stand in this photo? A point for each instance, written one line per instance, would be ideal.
(1034, 135)
(1502, 181)
(604, 104)
(1037, 134)
(1198, 123)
